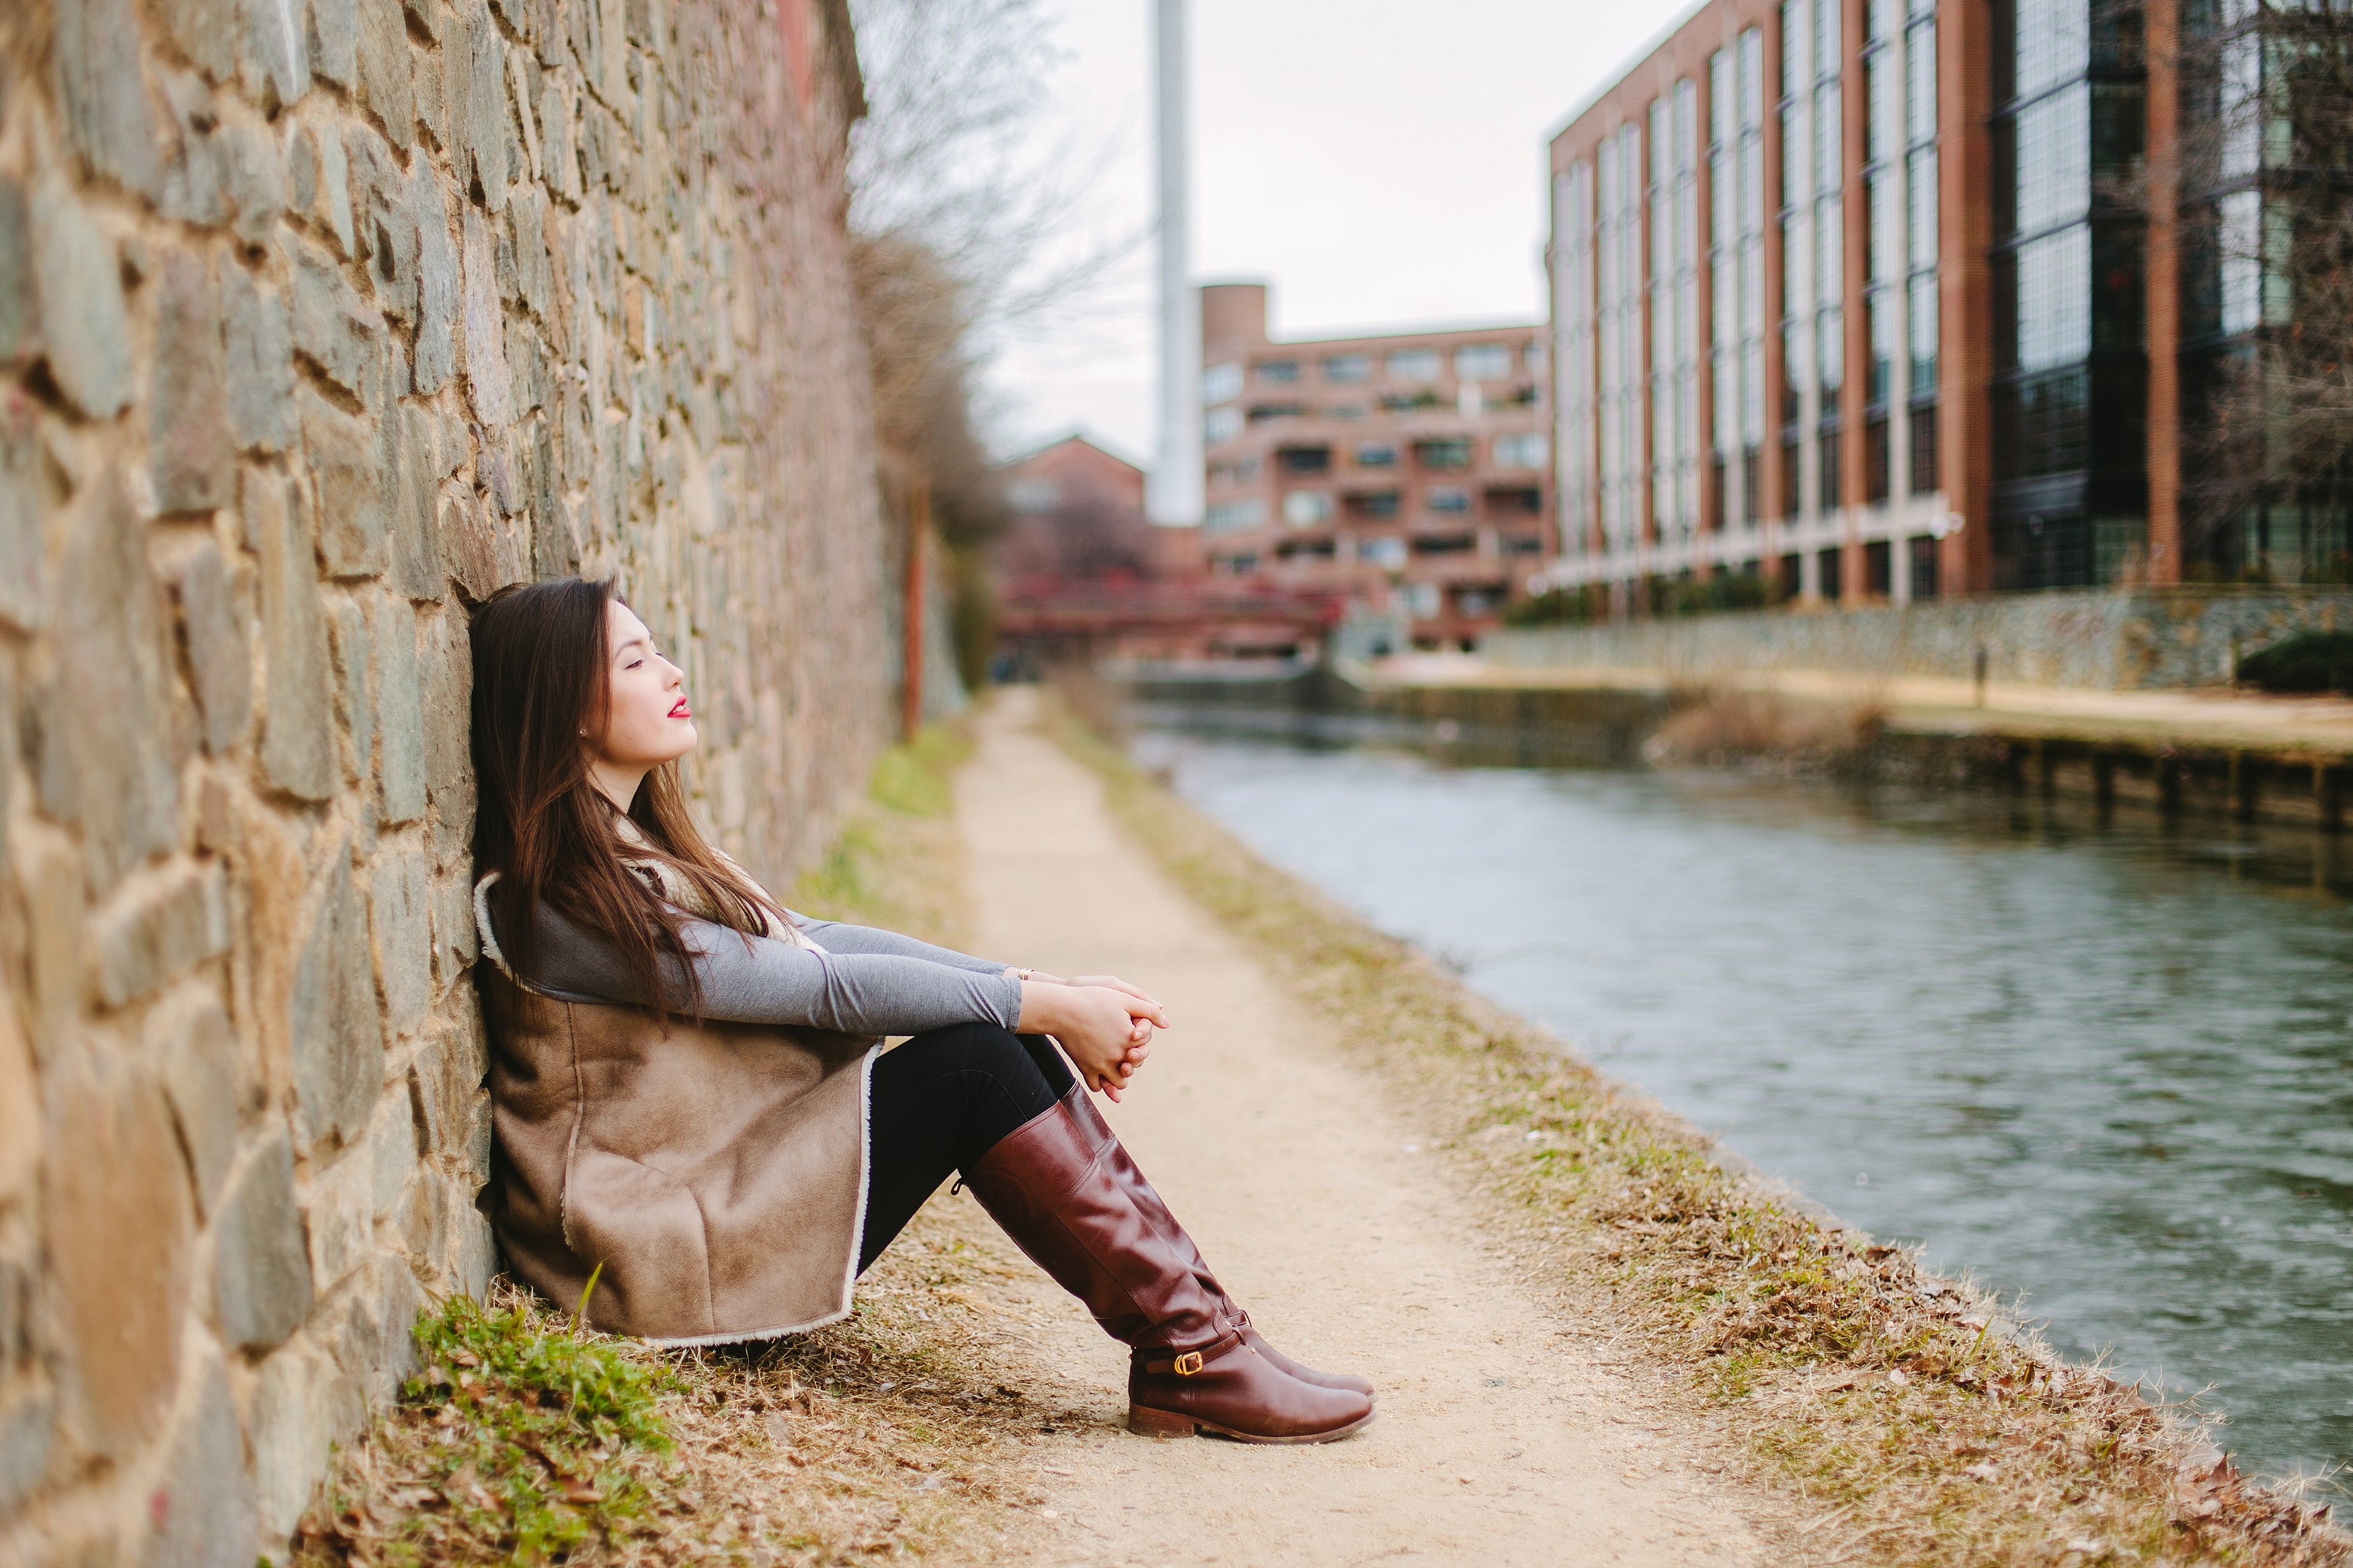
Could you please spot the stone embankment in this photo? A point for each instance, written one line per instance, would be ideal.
(2123, 639)
(320, 321)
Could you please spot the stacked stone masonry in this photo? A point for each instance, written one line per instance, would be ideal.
(320, 321)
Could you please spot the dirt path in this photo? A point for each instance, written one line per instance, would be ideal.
(1503, 1435)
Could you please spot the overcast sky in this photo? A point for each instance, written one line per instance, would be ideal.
(1379, 162)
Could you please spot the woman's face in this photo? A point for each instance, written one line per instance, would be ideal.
(648, 722)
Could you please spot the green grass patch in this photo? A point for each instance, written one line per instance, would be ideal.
(537, 1439)
(884, 867)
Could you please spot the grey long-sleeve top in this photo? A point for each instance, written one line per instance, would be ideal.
(857, 980)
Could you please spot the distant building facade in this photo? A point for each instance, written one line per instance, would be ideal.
(1406, 475)
(1084, 576)
(1846, 293)
(1077, 514)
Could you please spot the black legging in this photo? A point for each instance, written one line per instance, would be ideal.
(941, 1101)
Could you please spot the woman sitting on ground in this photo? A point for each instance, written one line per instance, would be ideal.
(692, 1110)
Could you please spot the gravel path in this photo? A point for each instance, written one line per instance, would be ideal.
(1505, 1435)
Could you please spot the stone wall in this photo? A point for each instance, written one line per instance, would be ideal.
(320, 320)
(2113, 640)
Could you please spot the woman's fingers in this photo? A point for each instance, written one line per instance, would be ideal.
(1113, 982)
(1145, 1007)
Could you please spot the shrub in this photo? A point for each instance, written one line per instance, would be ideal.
(2309, 661)
(1560, 607)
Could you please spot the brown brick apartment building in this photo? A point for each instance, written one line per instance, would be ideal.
(1407, 473)
(1853, 294)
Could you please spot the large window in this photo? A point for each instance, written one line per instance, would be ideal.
(1522, 452)
(1482, 362)
(1618, 246)
(1234, 516)
(1573, 321)
(1882, 68)
(1813, 237)
(1921, 196)
(2069, 390)
(1737, 263)
(1306, 509)
(1415, 365)
(1674, 312)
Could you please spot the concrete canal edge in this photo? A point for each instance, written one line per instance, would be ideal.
(1906, 1416)
(2210, 756)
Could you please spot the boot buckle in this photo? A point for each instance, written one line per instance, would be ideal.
(1186, 1365)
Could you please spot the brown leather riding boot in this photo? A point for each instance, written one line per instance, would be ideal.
(1048, 1184)
(1117, 1160)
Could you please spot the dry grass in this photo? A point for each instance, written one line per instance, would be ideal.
(1719, 726)
(882, 1435)
(1910, 1420)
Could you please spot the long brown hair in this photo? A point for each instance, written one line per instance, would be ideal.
(541, 676)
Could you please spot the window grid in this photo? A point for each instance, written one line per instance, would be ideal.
(1618, 237)
(1887, 223)
(1920, 176)
(1674, 312)
(1573, 289)
(1830, 215)
(1813, 226)
(1736, 257)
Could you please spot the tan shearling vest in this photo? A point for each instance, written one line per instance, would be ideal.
(715, 1171)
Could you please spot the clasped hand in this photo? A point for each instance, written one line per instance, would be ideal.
(1104, 1024)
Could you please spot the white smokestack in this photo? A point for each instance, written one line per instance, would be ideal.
(1173, 491)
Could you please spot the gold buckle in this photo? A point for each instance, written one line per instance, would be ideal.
(1188, 1363)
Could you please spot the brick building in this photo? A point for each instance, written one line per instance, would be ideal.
(1078, 512)
(1845, 293)
(1407, 474)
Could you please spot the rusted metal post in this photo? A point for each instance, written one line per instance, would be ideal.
(910, 683)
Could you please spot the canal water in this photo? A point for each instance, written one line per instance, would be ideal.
(2104, 1068)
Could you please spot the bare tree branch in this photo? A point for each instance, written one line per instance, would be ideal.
(968, 224)
(2266, 194)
